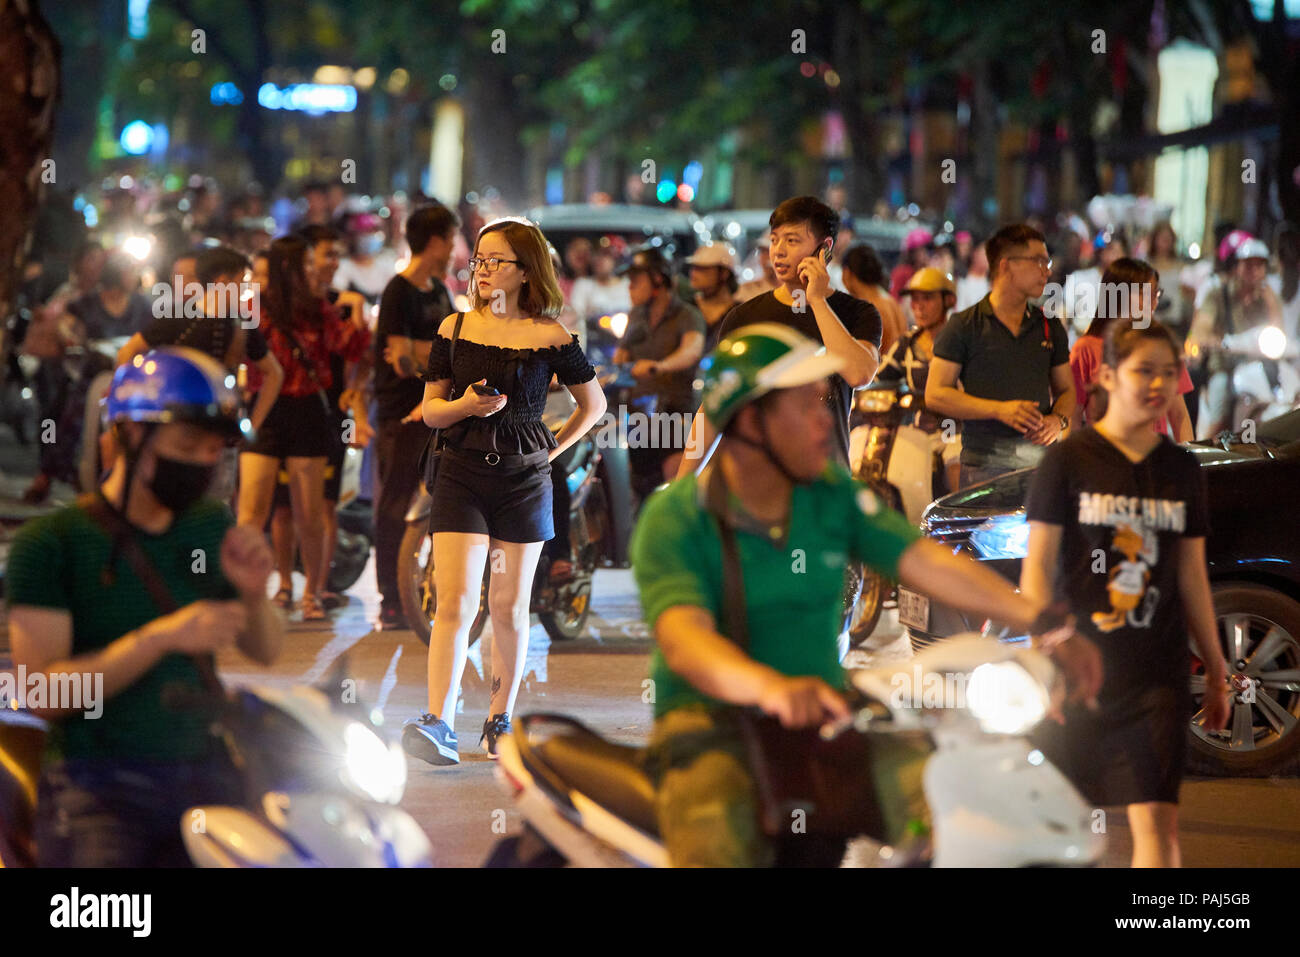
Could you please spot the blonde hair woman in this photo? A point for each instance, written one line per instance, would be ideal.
(493, 490)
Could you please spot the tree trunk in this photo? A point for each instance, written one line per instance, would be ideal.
(29, 93)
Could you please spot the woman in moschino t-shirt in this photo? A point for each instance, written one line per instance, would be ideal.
(1117, 525)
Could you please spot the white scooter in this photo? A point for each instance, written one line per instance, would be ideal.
(995, 801)
(322, 785)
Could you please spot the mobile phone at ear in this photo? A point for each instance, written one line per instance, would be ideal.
(826, 253)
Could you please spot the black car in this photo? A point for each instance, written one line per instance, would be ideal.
(1253, 553)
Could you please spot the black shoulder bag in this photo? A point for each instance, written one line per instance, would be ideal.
(805, 784)
(429, 458)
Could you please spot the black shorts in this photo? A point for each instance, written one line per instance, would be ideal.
(472, 496)
(1130, 755)
(297, 427)
(333, 478)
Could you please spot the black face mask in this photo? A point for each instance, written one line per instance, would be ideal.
(178, 485)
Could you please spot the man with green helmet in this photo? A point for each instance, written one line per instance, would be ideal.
(797, 519)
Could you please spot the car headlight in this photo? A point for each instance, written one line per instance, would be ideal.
(372, 765)
(1005, 698)
(1002, 537)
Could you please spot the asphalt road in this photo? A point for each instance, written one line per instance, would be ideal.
(1226, 823)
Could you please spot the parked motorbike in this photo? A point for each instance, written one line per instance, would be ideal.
(599, 529)
(994, 800)
(321, 784)
(888, 453)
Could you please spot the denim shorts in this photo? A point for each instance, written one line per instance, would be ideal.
(105, 813)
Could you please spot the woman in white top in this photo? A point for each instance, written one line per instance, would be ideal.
(371, 264)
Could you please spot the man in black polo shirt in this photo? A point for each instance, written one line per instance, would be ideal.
(803, 231)
(413, 304)
(1017, 393)
(664, 341)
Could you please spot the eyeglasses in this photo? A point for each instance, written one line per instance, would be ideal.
(1041, 261)
(492, 264)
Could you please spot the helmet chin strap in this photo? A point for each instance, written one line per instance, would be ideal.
(765, 447)
(132, 458)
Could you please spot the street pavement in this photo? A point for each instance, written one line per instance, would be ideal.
(599, 679)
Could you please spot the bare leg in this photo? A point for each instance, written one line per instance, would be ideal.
(256, 486)
(458, 559)
(513, 565)
(1155, 834)
(306, 496)
(282, 539)
(330, 514)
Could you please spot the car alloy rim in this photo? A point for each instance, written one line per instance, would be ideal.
(1263, 663)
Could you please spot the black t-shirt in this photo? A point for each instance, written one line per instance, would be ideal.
(1118, 568)
(412, 313)
(997, 365)
(102, 324)
(208, 335)
(860, 319)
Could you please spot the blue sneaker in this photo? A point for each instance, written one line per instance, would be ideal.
(493, 728)
(429, 739)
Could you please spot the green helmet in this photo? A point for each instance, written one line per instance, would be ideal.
(754, 360)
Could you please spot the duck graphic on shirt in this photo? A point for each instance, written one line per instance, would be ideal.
(1129, 581)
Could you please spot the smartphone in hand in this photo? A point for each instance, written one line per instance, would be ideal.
(484, 389)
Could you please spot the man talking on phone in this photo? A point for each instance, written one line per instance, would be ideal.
(803, 231)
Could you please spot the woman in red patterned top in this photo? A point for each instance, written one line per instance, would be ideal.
(302, 331)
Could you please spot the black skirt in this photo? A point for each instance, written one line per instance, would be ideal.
(298, 427)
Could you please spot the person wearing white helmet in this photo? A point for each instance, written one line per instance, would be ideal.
(1243, 302)
(713, 278)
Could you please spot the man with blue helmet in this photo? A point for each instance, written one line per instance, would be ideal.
(126, 596)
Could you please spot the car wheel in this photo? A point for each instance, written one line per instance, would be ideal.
(1259, 631)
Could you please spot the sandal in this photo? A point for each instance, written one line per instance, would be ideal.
(331, 599)
(283, 599)
(311, 609)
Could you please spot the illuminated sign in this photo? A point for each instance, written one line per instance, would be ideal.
(313, 98)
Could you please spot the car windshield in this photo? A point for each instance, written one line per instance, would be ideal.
(1282, 430)
(1005, 492)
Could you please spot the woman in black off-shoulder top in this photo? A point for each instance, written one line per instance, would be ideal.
(492, 497)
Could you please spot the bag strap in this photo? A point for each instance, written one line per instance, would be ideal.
(451, 350)
(733, 580)
(307, 365)
(121, 532)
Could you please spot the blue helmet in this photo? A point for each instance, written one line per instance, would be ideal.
(176, 384)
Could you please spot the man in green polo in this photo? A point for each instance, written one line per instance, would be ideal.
(798, 519)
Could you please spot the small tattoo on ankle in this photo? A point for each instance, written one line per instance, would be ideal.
(496, 685)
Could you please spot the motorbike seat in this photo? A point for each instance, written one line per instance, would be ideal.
(22, 741)
(612, 775)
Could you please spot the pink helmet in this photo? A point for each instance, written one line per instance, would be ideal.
(918, 238)
(1228, 248)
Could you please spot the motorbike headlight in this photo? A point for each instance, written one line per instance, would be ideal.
(138, 247)
(372, 765)
(1005, 698)
(1272, 342)
(618, 324)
